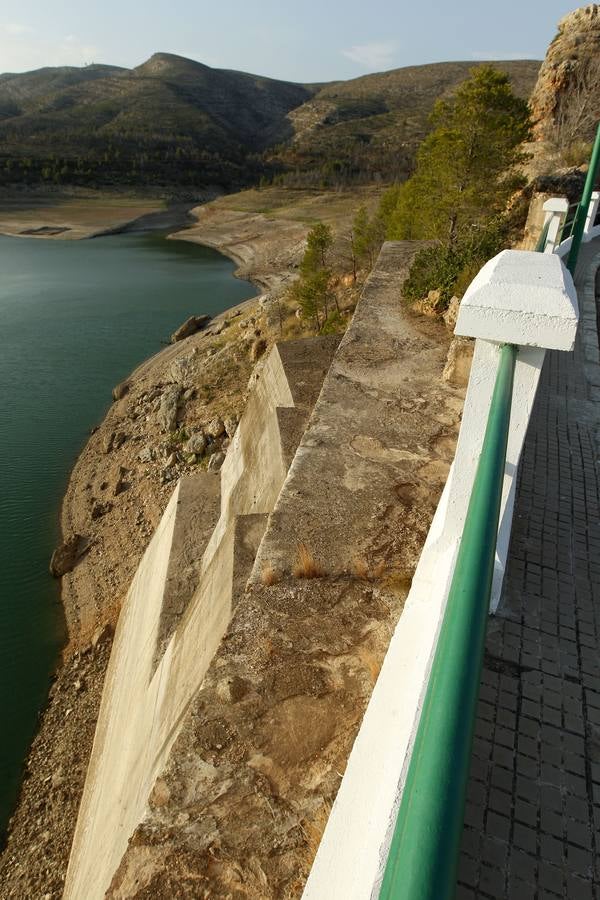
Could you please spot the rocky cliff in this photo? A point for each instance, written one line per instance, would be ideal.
(565, 102)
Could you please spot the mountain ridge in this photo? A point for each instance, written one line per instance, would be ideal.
(173, 120)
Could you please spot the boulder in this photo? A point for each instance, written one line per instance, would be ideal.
(108, 442)
(196, 443)
(216, 461)
(120, 390)
(64, 557)
(117, 481)
(215, 428)
(166, 416)
(100, 509)
(181, 369)
(190, 326)
(146, 455)
(119, 439)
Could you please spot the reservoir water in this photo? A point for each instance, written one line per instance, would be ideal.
(75, 318)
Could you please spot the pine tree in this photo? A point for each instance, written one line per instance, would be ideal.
(467, 167)
(311, 291)
(319, 242)
(367, 237)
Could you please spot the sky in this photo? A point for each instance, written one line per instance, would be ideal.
(307, 41)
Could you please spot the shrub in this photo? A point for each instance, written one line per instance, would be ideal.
(450, 268)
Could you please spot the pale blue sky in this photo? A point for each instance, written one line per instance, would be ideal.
(307, 40)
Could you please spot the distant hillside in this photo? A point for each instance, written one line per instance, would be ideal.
(173, 121)
(168, 121)
(370, 127)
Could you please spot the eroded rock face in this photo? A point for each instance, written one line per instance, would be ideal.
(566, 101)
(451, 314)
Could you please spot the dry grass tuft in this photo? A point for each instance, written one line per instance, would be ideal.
(269, 576)
(362, 570)
(378, 569)
(306, 565)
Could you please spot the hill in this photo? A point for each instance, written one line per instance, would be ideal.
(369, 128)
(170, 120)
(174, 121)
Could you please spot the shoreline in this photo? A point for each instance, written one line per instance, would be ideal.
(147, 370)
(127, 454)
(175, 216)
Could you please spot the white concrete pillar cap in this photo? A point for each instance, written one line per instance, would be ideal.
(524, 298)
(556, 204)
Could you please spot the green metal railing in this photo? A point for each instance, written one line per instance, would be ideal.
(566, 229)
(541, 243)
(423, 855)
(584, 203)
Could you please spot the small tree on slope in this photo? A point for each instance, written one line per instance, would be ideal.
(467, 167)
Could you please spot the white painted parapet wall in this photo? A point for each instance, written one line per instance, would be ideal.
(556, 209)
(519, 297)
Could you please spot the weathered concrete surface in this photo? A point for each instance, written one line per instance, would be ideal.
(240, 805)
(199, 498)
(143, 702)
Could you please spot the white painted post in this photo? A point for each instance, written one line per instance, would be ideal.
(556, 209)
(516, 298)
(522, 298)
(589, 231)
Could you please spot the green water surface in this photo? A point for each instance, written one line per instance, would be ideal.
(75, 318)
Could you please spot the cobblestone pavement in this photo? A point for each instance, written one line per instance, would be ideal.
(532, 822)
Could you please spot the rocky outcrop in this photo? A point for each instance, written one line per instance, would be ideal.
(64, 557)
(119, 391)
(566, 102)
(190, 326)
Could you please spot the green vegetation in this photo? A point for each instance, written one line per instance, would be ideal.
(171, 121)
(450, 268)
(312, 290)
(366, 238)
(466, 173)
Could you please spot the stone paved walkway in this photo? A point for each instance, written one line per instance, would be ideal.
(532, 823)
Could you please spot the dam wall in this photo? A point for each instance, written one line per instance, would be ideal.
(179, 606)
